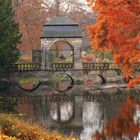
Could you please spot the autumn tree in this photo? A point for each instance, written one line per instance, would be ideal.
(117, 31)
(32, 14)
(9, 36)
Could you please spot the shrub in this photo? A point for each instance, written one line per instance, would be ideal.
(12, 128)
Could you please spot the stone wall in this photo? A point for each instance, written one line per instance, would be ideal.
(75, 42)
(82, 81)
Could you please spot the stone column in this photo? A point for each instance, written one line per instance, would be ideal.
(77, 43)
(45, 44)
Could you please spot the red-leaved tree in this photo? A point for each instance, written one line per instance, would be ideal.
(117, 31)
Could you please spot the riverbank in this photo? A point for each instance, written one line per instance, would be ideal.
(14, 128)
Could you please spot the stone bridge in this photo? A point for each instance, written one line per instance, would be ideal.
(78, 80)
(58, 88)
(46, 102)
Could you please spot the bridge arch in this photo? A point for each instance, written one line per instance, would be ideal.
(62, 82)
(94, 78)
(28, 82)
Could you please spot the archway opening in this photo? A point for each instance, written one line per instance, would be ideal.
(28, 82)
(61, 52)
(62, 82)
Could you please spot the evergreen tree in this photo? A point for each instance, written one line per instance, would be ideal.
(9, 36)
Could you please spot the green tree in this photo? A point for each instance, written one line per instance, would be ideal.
(9, 36)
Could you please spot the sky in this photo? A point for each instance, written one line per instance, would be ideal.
(87, 7)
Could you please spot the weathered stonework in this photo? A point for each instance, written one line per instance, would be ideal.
(76, 43)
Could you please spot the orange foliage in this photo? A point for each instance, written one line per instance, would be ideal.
(31, 16)
(124, 124)
(132, 83)
(117, 30)
(88, 58)
(97, 136)
(12, 128)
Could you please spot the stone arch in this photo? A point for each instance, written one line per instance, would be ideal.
(94, 78)
(28, 82)
(49, 42)
(62, 82)
(61, 51)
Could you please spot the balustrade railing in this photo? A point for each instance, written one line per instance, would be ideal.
(37, 66)
(105, 66)
(61, 66)
(98, 66)
(24, 67)
(64, 66)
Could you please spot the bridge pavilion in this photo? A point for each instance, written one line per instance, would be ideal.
(61, 42)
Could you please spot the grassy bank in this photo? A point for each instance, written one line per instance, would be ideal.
(13, 128)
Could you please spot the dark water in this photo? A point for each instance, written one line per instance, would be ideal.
(92, 116)
(76, 131)
(89, 116)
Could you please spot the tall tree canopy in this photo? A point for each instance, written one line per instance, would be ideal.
(32, 14)
(117, 30)
(9, 35)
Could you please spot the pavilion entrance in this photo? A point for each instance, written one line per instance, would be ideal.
(61, 52)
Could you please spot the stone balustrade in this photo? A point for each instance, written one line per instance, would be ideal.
(24, 67)
(63, 67)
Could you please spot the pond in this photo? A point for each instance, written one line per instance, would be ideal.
(69, 117)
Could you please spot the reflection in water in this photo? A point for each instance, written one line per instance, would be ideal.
(53, 111)
(92, 120)
(94, 116)
(137, 120)
(65, 110)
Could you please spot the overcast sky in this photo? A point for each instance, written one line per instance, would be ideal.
(87, 7)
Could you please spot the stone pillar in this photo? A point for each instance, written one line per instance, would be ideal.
(44, 49)
(42, 57)
(77, 43)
